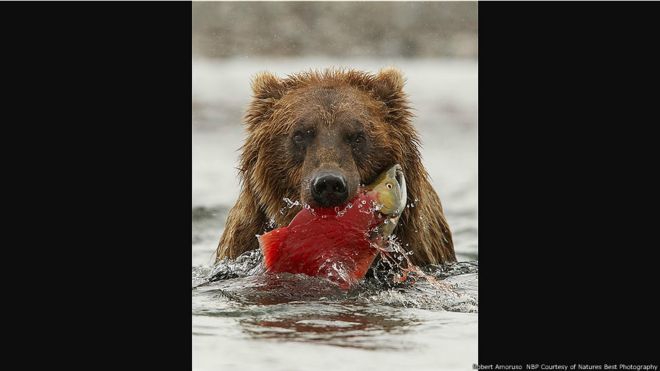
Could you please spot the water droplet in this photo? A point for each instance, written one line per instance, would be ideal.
(271, 224)
(290, 204)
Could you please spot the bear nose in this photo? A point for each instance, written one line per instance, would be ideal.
(329, 190)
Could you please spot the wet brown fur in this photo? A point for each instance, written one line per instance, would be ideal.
(270, 169)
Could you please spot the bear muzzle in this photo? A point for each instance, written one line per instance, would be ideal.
(329, 189)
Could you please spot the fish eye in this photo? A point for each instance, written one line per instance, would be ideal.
(389, 185)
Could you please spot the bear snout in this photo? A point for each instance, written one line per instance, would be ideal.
(329, 189)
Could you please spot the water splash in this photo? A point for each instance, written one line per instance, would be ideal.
(247, 264)
(289, 205)
(392, 281)
(413, 204)
(343, 211)
(395, 268)
(272, 289)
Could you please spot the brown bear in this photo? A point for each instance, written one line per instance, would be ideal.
(315, 137)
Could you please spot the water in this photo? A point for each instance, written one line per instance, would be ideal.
(288, 322)
(293, 322)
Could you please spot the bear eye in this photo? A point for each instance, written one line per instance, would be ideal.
(356, 139)
(300, 136)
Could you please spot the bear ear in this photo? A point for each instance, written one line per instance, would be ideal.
(389, 83)
(265, 85)
(388, 87)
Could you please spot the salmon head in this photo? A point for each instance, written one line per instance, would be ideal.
(389, 194)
